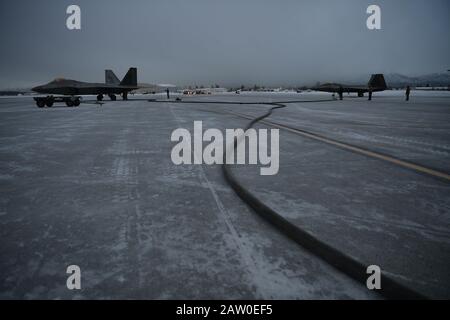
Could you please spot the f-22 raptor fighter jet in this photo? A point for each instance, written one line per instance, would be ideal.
(376, 83)
(72, 88)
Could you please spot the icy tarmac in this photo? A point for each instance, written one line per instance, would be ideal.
(95, 187)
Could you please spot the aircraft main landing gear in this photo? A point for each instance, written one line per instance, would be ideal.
(125, 96)
(100, 97)
(112, 97)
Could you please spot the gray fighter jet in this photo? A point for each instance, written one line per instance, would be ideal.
(72, 88)
(376, 83)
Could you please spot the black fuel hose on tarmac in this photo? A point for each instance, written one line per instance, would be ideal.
(390, 288)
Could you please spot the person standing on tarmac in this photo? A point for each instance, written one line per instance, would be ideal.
(168, 93)
(408, 91)
(370, 94)
(341, 93)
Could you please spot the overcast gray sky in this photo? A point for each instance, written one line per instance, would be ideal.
(229, 42)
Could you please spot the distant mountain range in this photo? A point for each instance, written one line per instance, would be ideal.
(397, 80)
(13, 92)
(432, 80)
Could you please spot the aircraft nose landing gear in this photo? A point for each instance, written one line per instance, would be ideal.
(112, 97)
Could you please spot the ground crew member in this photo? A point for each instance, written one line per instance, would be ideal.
(168, 94)
(341, 93)
(370, 94)
(408, 91)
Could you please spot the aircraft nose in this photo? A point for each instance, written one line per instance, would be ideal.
(37, 89)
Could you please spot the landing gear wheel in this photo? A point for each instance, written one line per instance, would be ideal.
(69, 103)
(40, 103)
(49, 103)
(77, 102)
(100, 97)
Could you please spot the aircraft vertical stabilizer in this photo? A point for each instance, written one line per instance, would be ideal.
(130, 78)
(377, 81)
(111, 78)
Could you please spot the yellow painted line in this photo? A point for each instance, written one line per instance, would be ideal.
(368, 153)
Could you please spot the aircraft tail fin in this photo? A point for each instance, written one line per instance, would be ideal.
(111, 78)
(130, 78)
(377, 81)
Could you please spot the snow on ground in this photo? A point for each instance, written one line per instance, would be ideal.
(95, 186)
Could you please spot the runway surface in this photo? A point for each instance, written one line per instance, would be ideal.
(95, 186)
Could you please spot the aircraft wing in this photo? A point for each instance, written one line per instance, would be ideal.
(335, 88)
